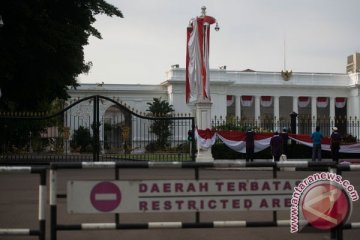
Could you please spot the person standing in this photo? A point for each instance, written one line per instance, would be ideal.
(276, 144)
(335, 139)
(250, 145)
(316, 139)
(285, 137)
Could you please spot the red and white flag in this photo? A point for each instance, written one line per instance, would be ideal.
(193, 62)
(197, 58)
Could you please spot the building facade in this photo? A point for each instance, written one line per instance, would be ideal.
(245, 95)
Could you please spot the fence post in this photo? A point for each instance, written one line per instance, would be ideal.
(293, 116)
(95, 127)
(193, 143)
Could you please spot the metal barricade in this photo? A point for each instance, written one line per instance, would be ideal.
(116, 225)
(40, 232)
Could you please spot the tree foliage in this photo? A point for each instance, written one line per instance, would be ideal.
(41, 46)
(160, 127)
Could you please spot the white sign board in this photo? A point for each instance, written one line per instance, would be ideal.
(179, 195)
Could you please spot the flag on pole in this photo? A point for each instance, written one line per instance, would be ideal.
(197, 58)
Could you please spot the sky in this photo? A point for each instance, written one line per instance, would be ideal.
(263, 35)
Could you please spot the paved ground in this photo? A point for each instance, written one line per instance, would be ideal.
(19, 196)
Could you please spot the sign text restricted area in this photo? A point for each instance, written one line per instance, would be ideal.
(179, 195)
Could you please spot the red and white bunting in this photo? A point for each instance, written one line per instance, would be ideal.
(247, 101)
(236, 141)
(266, 101)
(340, 102)
(303, 102)
(322, 102)
(229, 100)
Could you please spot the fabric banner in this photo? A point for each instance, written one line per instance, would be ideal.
(340, 102)
(229, 100)
(266, 101)
(197, 58)
(247, 101)
(193, 63)
(205, 138)
(236, 141)
(322, 102)
(238, 144)
(303, 102)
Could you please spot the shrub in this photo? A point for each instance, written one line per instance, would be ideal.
(81, 139)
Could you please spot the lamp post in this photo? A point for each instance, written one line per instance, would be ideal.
(293, 116)
(198, 74)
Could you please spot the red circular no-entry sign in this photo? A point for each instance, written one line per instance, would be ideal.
(105, 196)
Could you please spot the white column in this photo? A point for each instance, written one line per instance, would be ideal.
(203, 115)
(332, 111)
(352, 106)
(352, 110)
(257, 108)
(237, 107)
(332, 108)
(355, 104)
(203, 121)
(313, 112)
(276, 108)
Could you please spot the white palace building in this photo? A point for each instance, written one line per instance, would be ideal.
(247, 95)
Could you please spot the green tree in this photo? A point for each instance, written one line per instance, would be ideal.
(160, 127)
(41, 46)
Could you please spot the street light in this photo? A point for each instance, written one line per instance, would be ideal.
(217, 28)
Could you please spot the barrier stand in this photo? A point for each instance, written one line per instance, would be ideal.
(336, 233)
(275, 169)
(41, 205)
(197, 214)
(52, 200)
(117, 215)
(282, 166)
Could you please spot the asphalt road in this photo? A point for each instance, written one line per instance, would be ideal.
(19, 200)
